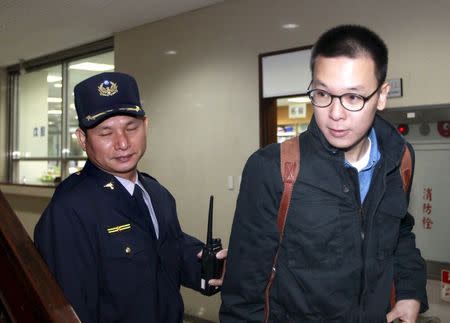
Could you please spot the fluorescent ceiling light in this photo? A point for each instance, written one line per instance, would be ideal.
(54, 100)
(57, 85)
(301, 99)
(290, 26)
(56, 112)
(53, 78)
(170, 52)
(88, 66)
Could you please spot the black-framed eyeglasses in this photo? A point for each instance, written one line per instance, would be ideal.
(350, 101)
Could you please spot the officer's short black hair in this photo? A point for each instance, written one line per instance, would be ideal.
(352, 41)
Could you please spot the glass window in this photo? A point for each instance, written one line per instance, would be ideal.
(45, 147)
(80, 70)
(293, 116)
(39, 113)
(38, 172)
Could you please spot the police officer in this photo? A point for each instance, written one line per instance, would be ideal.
(110, 234)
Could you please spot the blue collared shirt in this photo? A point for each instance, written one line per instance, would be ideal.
(365, 174)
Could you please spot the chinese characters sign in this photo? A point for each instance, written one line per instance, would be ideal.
(427, 208)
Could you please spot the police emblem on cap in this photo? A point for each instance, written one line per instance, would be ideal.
(107, 88)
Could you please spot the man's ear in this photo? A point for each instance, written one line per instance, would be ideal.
(81, 136)
(382, 100)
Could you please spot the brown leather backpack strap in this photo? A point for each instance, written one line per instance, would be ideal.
(405, 173)
(406, 169)
(290, 167)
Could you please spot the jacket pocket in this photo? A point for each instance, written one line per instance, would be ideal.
(126, 268)
(391, 212)
(313, 236)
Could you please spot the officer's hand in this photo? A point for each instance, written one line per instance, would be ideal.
(405, 310)
(222, 254)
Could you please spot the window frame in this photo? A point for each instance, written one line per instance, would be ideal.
(63, 59)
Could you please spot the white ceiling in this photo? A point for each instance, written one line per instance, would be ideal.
(33, 28)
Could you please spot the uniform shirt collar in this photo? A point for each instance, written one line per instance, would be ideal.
(129, 185)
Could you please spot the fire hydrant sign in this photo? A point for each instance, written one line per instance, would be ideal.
(430, 202)
(445, 285)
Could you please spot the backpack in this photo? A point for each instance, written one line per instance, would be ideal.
(290, 167)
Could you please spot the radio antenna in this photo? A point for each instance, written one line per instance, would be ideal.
(209, 238)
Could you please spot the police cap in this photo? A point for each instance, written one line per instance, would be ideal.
(105, 95)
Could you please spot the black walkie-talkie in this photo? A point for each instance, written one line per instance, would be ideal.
(211, 266)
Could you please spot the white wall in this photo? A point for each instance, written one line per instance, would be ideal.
(203, 102)
(434, 241)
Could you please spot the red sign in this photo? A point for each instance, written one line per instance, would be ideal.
(445, 276)
(444, 128)
(427, 223)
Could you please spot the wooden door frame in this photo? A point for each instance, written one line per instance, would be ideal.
(268, 106)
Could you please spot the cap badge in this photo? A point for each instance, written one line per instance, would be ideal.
(108, 88)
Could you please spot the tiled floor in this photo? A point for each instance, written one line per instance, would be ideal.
(429, 319)
(192, 319)
(439, 311)
(438, 308)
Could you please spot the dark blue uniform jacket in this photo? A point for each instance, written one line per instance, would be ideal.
(104, 253)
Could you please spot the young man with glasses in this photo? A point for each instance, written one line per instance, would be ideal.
(347, 237)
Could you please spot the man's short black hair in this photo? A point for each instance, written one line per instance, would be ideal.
(352, 41)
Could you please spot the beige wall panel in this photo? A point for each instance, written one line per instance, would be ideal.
(3, 126)
(28, 209)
